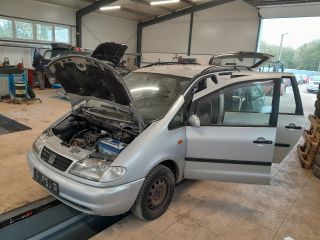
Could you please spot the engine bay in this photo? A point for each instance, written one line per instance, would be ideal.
(103, 140)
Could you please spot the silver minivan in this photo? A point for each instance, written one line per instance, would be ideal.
(128, 140)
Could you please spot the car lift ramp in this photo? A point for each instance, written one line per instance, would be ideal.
(50, 219)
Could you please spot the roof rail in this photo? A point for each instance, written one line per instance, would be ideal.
(168, 63)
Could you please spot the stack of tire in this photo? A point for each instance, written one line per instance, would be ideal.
(316, 165)
(317, 105)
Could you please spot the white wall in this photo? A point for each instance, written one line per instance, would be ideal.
(35, 11)
(224, 28)
(169, 36)
(229, 27)
(98, 28)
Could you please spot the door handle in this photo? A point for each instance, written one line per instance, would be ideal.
(262, 140)
(293, 126)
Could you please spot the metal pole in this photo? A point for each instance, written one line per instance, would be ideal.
(281, 43)
(139, 44)
(190, 34)
(84, 11)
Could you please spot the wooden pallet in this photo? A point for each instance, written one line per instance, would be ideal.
(309, 151)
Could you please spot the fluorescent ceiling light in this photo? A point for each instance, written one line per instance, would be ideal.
(144, 89)
(164, 2)
(106, 8)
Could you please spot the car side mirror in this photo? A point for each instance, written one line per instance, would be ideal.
(194, 121)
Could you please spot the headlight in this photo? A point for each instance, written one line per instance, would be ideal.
(113, 174)
(39, 143)
(97, 170)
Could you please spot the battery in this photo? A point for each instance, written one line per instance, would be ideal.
(110, 146)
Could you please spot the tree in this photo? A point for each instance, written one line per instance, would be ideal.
(287, 53)
(307, 56)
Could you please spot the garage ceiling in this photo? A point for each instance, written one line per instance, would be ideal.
(141, 10)
(138, 10)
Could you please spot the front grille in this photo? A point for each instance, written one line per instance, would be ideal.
(55, 159)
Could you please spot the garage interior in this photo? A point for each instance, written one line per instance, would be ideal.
(288, 208)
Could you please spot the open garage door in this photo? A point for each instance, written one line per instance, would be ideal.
(291, 34)
(290, 11)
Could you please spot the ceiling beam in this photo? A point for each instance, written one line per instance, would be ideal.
(84, 11)
(183, 12)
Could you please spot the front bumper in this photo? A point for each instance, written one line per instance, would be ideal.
(105, 201)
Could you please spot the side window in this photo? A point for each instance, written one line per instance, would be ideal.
(287, 101)
(178, 120)
(205, 83)
(242, 105)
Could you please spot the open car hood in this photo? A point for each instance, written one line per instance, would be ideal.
(88, 78)
(110, 51)
(244, 59)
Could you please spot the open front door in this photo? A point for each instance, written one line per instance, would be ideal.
(236, 138)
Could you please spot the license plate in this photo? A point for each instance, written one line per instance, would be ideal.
(45, 181)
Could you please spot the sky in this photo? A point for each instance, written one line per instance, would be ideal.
(300, 31)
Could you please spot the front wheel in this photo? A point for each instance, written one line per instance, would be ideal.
(155, 194)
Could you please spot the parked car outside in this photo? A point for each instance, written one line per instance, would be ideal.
(313, 85)
(128, 140)
(299, 79)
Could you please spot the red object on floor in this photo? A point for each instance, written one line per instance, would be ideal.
(31, 73)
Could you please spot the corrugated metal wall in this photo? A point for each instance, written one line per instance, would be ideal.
(229, 27)
(98, 28)
(169, 36)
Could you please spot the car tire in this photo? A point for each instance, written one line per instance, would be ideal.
(318, 95)
(317, 113)
(317, 104)
(155, 194)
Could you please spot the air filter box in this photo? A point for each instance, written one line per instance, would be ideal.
(110, 146)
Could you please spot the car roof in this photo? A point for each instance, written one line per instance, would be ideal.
(180, 70)
(191, 70)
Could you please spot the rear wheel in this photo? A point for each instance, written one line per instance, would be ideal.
(155, 194)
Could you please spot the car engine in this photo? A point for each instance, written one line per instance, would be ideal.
(101, 141)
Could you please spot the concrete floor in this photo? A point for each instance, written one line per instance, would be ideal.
(17, 186)
(290, 206)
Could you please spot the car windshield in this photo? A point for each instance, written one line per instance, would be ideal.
(154, 93)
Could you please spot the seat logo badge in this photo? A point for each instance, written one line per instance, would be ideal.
(51, 159)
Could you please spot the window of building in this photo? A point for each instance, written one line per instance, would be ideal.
(20, 29)
(62, 34)
(6, 28)
(24, 30)
(44, 32)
